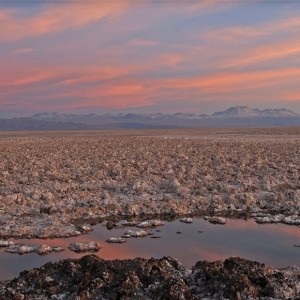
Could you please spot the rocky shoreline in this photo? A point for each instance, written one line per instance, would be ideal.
(94, 278)
(49, 184)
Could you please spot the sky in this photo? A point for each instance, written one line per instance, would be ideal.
(148, 56)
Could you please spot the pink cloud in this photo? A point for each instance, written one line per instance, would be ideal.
(56, 18)
(278, 50)
(171, 59)
(121, 88)
(293, 96)
(234, 81)
(23, 51)
(143, 42)
(231, 34)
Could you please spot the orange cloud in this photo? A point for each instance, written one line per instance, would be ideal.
(171, 59)
(23, 75)
(95, 87)
(99, 100)
(262, 53)
(120, 90)
(204, 6)
(57, 17)
(230, 82)
(122, 86)
(143, 42)
(32, 79)
(23, 51)
(293, 96)
(290, 25)
(90, 74)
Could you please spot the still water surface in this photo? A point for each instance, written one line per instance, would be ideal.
(272, 244)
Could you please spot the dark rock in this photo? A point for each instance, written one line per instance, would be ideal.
(94, 278)
(238, 278)
(110, 225)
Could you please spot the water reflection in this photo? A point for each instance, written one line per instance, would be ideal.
(271, 244)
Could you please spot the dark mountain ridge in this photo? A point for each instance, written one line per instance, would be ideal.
(239, 116)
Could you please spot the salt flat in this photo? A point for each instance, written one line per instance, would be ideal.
(50, 180)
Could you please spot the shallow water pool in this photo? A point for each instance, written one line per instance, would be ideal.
(273, 244)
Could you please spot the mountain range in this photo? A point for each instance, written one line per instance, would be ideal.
(238, 116)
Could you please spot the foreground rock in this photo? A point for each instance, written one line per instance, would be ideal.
(5, 243)
(46, 186)
(215, 220)
(91, 246)
(238, 278)
(150, 223)
(262, 218)
(94, 278)
(132, 233)
(115, 240)
(39, 249)
(186, 220)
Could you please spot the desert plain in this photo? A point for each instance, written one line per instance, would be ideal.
(58, 184)
(49, 183)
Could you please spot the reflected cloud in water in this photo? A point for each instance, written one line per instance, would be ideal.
(272, 244)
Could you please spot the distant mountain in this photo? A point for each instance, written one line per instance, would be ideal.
(246, 112)
(280, 113)
(239, 116)
(28, 124)
(232, 112)
(237, 112)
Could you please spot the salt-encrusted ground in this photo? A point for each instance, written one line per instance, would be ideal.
(47, 183)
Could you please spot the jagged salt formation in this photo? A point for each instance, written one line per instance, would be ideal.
(91, 246)
(48, 183)
(39, 249)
